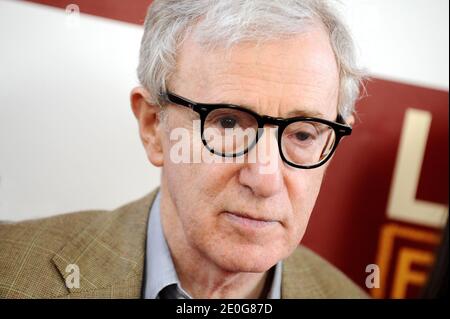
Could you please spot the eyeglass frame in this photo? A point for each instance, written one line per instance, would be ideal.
(203, 109)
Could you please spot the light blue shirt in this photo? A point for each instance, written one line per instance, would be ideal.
(160, 274)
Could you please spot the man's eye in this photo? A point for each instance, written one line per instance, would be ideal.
(302, 136)
(227, 122)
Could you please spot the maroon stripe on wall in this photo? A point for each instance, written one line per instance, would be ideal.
(127, 11)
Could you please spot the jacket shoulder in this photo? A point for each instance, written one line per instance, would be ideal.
(33, 253)
(307, 275)
(27, 249)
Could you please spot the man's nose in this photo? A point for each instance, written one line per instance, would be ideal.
(262, 169)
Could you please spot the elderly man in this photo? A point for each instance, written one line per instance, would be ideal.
(257, 95)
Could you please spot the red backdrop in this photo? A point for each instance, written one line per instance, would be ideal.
(352, 207)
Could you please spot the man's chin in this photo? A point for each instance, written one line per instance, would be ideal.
(247, 261)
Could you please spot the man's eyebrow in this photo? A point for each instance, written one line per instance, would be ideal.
(305, 113)
(293, 113)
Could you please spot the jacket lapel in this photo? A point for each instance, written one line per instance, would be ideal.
(109, 253)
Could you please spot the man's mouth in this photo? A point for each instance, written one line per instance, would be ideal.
(247, 220)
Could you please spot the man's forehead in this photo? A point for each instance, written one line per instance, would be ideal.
(300, 70)
(311, 49)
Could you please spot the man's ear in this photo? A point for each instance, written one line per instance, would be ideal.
(148, 117)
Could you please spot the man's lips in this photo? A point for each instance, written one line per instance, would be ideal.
(248, 220)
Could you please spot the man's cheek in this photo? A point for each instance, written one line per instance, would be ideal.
(314, 184)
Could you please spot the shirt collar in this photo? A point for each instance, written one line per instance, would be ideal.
(159, 268)
(160, 271)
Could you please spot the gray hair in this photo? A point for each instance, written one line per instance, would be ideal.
(228, 22)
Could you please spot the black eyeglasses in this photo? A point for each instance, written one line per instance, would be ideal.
(230, 130)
